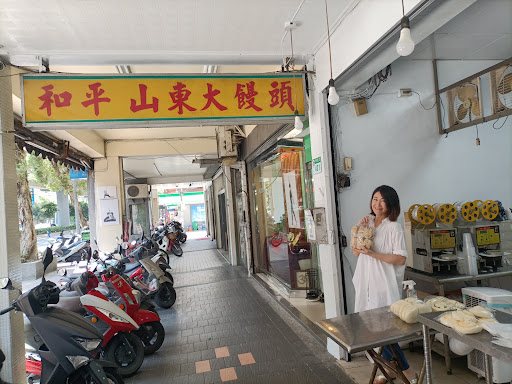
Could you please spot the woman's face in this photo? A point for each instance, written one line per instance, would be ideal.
(379, 206)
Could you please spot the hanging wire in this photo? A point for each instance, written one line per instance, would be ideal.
(403, 8)
(494, 124)
(328, 35)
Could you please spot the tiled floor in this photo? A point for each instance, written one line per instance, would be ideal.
(360, 368)
(225, 327)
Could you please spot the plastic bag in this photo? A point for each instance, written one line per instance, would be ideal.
(361, 236)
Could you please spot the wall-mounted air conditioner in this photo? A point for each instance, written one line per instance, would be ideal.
(136, 191)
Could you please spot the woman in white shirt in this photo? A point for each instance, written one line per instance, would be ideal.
(380, 272)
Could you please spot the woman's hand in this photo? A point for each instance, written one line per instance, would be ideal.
(366, 251)
(364, 221)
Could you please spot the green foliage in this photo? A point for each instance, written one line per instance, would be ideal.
(85, 210)
(55, 177)
(43, 231)
(44, 209)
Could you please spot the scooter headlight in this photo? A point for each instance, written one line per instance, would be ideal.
(87, 344)
(78, 361)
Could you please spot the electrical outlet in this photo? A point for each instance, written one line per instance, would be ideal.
(404, 92)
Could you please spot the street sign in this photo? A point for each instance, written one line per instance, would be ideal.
(75, 174)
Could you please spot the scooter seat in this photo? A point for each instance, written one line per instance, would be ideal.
(71, 304)
(129, 267)
(68, 294)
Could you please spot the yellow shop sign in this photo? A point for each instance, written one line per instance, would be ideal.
(160, 100)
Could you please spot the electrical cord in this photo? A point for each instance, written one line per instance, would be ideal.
(494, 124)
(419, 98)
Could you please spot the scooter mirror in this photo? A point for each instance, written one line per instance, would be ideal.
(47, 258)
(62, 272)
(5, 283)
(95, 255)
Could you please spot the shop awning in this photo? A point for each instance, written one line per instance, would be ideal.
(50, 148)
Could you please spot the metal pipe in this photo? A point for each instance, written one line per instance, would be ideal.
(427, 353)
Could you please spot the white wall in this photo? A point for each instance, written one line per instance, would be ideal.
(397, 143)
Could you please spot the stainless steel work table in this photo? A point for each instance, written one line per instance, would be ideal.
(439, 281)
(366, 330)
(480, 341)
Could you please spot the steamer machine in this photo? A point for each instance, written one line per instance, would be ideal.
(437, 231)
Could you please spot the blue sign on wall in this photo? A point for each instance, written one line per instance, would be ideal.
(32, 194)
(197, 212)
(75, 174)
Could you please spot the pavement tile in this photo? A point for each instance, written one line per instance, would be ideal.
(203, 366)
(228, 374)
(221, 352)
(246, 359)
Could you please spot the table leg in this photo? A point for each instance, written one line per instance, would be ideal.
(427, 353)
(422, 372)
(447, 358)
(488, 369)
(441, 290)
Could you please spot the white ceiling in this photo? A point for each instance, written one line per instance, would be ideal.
(96, 32)
(481, 32)
(165, 167)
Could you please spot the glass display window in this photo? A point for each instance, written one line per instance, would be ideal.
(279, 191)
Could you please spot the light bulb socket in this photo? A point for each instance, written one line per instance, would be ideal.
(331, 83)
(296, 113)
(404, 23)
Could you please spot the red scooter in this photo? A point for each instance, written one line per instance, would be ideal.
(121, 344)
(150, 331)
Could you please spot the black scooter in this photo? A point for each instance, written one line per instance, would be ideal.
(69, 340)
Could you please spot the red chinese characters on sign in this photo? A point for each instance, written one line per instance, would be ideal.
(284, 93)
(210, 97)
(179, 97)
(48, 98)
(143, 101)
(95, 97)
(246, 98)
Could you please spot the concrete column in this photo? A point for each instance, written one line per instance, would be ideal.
(11, 325)
(63, 209)
(230, 214)
(91, 201)
(330, 261)
(108, 172)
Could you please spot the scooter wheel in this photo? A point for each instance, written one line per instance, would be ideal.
(166, 296)
(127, 351)
(183, 237)
(113, 377)
(83, 376)
(152, 335)
(176, 249)
(169, 276)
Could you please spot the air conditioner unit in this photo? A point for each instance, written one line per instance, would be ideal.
(227, 145)
(136, 191)
(501, 300)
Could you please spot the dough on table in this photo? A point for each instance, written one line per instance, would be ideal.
(480, 311)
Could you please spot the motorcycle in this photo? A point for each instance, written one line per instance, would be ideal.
(121, 344)
(182, 236)
(69, 342)
(151, 330)
(73, 252)
(147, 276)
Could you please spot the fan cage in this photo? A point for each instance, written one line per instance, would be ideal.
(501, 89)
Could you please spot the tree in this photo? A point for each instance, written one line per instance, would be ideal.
(85, 210)
(55, 177)
(44, 210)
(28, 238)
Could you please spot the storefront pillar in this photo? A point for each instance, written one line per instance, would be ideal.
(230, 214)
(108, 172)
(11, 325)
(330, 260)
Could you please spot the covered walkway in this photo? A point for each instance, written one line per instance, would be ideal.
(225, 327)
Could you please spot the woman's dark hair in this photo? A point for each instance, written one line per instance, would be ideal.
(392, 201)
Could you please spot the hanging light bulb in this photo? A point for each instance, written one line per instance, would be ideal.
(298, 123)
(332, 97)
(405, 44)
